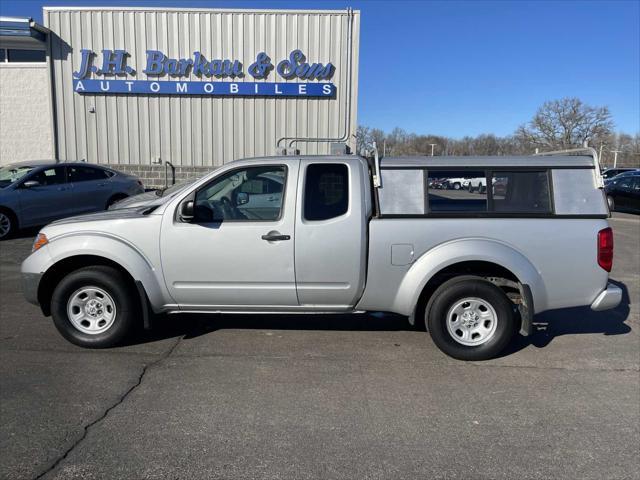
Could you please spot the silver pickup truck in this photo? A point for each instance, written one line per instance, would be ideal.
(305, 234)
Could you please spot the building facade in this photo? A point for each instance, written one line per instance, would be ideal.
(198, 88)
(26, 115)
(136, 88)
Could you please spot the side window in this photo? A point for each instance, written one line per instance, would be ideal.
(457, 191)
(326, 191)
(50, 176)
(250, 194)
(522, 192)
(86, 174)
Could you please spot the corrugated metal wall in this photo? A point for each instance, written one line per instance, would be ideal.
(197, 131)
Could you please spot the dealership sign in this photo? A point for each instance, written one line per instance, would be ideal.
(114, 64)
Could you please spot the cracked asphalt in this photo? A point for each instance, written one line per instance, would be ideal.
(321, 397)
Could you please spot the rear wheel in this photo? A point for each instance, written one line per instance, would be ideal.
(471, 319)
(93, 308)
(8, 224)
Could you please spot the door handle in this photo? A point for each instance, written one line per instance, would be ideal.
(275, 236)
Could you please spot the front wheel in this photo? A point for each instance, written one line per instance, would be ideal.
(611, 203)
(7, 224)
(471, 319)
(92, 307)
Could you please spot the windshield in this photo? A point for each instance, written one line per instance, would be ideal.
(12, 173)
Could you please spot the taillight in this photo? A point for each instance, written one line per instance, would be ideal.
(605, 248)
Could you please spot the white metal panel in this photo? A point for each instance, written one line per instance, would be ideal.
(197, 130)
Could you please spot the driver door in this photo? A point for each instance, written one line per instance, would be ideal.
(231, 254)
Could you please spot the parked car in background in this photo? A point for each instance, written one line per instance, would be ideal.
(478, 184)
(456, 183)
(609, 173)
(623, 192)
(36, 193)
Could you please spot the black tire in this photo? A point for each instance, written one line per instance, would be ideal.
(611, 202)
(450, 294)
(457, 186)
(7, 216)
(115, 285)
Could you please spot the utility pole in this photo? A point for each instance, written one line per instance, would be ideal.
(600, 154)
(615, 157)
(433, 145)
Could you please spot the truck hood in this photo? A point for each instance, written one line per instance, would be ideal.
(120, 214)
(136, 201)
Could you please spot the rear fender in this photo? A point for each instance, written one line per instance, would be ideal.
(465, 250)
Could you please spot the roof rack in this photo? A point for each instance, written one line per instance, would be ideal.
(588, 150)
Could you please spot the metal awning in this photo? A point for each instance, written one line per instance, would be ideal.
(18, 32)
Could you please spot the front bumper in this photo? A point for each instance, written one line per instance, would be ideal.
(30, 283)
(610, 297)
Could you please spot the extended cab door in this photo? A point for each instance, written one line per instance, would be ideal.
(331, 232)
(237, 250)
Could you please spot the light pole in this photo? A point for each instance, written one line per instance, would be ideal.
(433, 145)
(615, 157)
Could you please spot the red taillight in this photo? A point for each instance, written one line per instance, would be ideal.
(605, 248)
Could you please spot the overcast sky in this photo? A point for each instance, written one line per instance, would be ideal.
(468, 67)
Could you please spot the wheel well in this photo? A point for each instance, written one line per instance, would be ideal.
(59, 270)
(493, 272)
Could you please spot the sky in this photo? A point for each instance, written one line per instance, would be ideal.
(459, 68)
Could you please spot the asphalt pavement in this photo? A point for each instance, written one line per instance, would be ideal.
(321, 397)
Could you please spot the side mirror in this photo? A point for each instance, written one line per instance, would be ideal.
(242, 198)
(186, 211)
(31, 184)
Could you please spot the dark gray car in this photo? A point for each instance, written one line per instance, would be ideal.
(36, 193)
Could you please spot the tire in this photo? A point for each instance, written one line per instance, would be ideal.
(106, 310)
(475, 338)
(470, 189)
(456, 186)
(611, 202)
(8, 224)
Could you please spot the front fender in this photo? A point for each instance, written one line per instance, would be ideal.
(464, 250)
(106, 245)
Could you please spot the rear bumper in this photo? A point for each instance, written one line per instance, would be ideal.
(610, 297)
(30, 282)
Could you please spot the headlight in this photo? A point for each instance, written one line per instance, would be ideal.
(40, 241)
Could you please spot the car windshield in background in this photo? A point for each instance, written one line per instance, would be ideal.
(10, 174)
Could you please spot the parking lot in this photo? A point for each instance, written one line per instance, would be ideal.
(320, 397)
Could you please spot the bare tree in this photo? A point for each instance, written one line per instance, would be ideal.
(565, 123)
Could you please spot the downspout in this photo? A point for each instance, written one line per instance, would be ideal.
(53, 114)
(347, 123)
